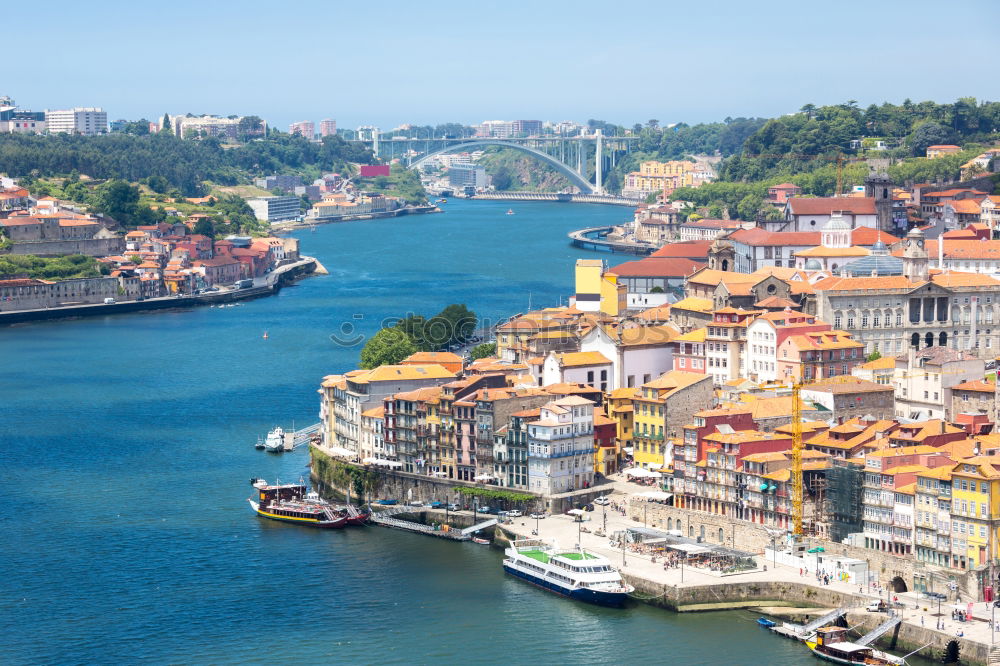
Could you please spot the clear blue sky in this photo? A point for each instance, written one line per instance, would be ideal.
(427, 62)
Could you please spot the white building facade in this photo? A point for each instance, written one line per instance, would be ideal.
(82, 120)
(561, 446)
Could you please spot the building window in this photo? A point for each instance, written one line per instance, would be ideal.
(850, 322)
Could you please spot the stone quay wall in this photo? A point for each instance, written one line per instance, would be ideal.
(331, 474)
(94, 247)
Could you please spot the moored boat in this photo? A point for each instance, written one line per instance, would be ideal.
(484, 542)
(577, 573)
(287, 503)
(764, 622)
(275, 442)
(831, 644)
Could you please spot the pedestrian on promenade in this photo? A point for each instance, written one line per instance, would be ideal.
(921, 620)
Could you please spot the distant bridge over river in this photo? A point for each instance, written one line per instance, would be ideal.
(550, 196)
(570, 156)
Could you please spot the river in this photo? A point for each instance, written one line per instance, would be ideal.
(127, 445)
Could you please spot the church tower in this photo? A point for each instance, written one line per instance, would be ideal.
(721, 256)
(878, 186)
(915, 259)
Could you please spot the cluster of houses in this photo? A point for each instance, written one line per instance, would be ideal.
(690, 365)
(148, 262)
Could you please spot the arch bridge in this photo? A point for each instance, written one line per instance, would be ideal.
(571, 174)
(557, 151)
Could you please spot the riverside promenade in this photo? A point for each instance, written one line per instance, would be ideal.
(690, 589)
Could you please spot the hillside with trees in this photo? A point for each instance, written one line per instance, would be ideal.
(814, 137)
(183, 165)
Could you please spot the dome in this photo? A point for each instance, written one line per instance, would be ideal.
(837, 223)
(873, 264)
(880, 248)
(813, 265)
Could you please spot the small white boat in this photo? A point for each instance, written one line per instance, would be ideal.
(510, 211)
(275, 442)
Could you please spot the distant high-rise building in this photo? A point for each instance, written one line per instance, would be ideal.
(462, 175)
(527, 127)
(305, 128)
(327, 127)
(82, 120)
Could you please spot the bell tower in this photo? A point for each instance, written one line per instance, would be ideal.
(878, 186)
(722, 256)
(915, 259)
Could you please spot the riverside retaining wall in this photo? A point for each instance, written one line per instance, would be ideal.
(330, 474)
(281, 279)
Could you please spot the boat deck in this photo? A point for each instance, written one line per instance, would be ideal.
(539, 555)
(544, 556)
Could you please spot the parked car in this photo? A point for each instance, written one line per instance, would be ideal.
(486, 509)
(436, 505)
(876, 607)
(589, 507)
(602, 500)
(514, 513)
(537, 515)
(414, 503)
(454, 507)
(387, 501)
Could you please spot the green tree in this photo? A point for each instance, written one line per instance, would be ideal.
(413, 326)
(484, 350)
(249, 127)
(874, 356)
(158, 183)
(927, 134)
(387, 347)
(205, 227)
(453, 324)
(165, 126)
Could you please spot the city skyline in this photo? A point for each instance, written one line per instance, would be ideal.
(466, 67)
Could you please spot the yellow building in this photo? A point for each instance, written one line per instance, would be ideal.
(606, 457)
(619, 406)
(975, 507)
(597, 290)
(662, 177)
(649, 414)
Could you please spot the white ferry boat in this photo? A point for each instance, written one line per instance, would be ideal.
(275, 442)
(577, 574)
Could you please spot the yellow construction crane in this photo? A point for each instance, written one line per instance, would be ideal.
(797, 490)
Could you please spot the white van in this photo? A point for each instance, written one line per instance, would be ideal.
(109, 301)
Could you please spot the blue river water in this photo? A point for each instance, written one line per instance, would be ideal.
(126, 445)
